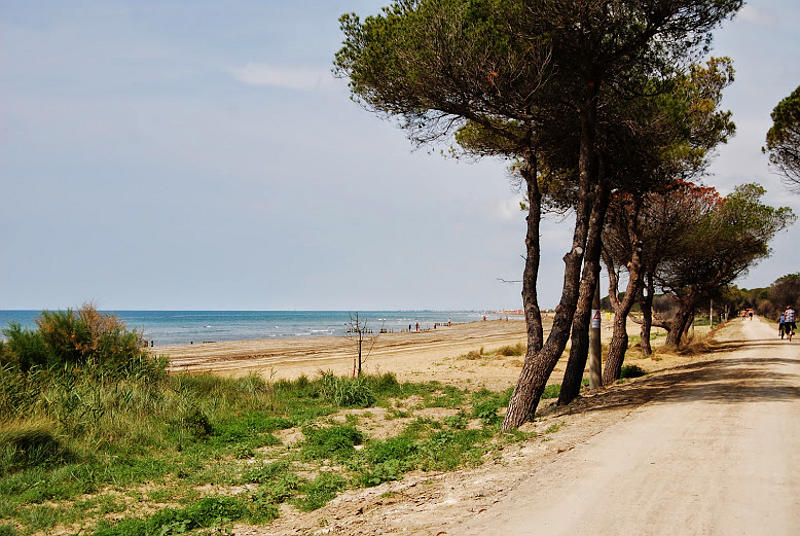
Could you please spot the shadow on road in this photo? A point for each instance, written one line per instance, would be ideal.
(723, 380)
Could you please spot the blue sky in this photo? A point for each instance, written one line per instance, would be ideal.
(197, 155)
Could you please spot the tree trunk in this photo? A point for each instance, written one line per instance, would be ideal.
(680, 325)
(616, 350)
(530, 275)
(647, 314)
(619, 339)
(579, 351)
(539, 365)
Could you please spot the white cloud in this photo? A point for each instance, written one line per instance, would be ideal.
(508, 209)
(757, 16)
(287, 77)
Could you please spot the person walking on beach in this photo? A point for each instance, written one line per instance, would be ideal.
(416, 326)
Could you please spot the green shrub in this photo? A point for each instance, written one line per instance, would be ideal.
(268, 473)
(448, 449)
(260, 508)
(485, 404)
(632, 371)
(447, 396)
(207, 512)
(251, 425)
(336, 442)
(388, 460)
(320, 491)
(25, 445)
(399, 448)
(347, 392)
(70, 339)
(552, 391)
(24, 350)
(386, 471)
(508, 351)
(458, 421)
(193, 424)
(278, 489)
(486, 410)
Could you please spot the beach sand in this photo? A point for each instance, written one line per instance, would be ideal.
(422, 356)
(428, 355)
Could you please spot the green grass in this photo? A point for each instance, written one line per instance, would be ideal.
(207, 512)
(316, 494)
(336, 442)
(632, 371)
(508, 351)
(80, 446)
(551, 391)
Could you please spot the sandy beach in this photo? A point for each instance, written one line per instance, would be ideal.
(416, 356)
(413, 356)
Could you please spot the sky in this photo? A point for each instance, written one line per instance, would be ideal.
(200, 155)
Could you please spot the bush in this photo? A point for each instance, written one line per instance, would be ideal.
(320, 491)
(207, 512)
(388, 459)
(24, 350)
(447, 449)
(486, 410)
(395, 448)
(268, 473)
(26, 445)
(552, 391)
(508, 351)
(83, 338)
(193, 424)
(632, 371)
(347, 392)
(336, 442)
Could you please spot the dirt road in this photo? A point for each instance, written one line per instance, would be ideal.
(715, 451)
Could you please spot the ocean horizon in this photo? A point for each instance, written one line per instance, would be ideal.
(189, 326)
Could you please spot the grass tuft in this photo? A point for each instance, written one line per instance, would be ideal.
(319, 492)
(552, 391)
(26, 445)
(508, 351)
(632, 371)
(335, 442)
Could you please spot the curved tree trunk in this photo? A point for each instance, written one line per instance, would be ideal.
(647, 317)
(530, 275)
(539, 365)
(579, 350)
(680, 325)
(619, 339)
(616, 350)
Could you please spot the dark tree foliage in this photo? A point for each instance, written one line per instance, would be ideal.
(663, 134)
(783, 139)
(725, 242)
(521, 71)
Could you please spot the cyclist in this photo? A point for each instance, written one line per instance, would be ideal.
(789, 325)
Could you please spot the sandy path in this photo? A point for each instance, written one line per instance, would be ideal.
(715, 452)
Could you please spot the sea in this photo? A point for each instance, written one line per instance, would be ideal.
(184, 327)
